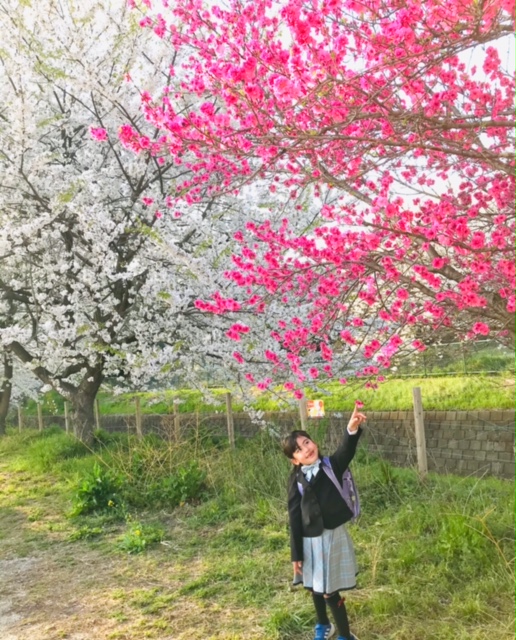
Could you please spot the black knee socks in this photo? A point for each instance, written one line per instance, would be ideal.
(338, 609)
(320, 608)
(340, 615)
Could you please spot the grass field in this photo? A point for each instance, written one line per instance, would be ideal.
(439, 394)
(436, 556)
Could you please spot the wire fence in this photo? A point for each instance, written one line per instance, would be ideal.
(458, 359)
(476, 446)
(462, 442)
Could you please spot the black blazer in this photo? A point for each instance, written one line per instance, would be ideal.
(321, 506)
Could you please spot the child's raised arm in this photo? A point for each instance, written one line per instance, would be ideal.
(356, 420)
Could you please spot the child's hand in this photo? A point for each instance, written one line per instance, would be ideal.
(356, 420)
(298, 567)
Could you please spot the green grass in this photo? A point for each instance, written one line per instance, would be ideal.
(188, 401)
(466, 393)
(439, 394)
(436, 556)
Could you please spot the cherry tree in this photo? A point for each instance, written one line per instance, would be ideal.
(100, 266)
(5, 389)
(397, 120)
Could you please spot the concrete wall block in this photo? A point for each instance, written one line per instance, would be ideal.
(496, 468)
(508, 470)
(460, 465)
(452, 437)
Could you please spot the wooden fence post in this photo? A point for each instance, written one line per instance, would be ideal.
(97, 413)
(197, 425)
(177, 421)
(422, 462)
(231, 426)
(138, 408)
(303, 414)
(67, 418)
(40, 417)
(20, 417)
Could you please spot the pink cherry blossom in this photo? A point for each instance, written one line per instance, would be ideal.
(98, 133)
(412, 173)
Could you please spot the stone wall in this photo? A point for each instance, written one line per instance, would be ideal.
(461, 442)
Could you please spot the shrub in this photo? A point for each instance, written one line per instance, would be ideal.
(184, 484)
(98, 491)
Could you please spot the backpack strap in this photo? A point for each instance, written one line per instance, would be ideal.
(347, 489)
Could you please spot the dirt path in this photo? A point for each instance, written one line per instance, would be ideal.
(55, 589)
(50, 595)
(50, 588)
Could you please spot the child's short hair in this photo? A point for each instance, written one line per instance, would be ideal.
(289, 444)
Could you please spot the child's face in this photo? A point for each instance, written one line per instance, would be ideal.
(306, 452)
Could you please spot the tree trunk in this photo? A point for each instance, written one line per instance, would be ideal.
(81, 397)
(83, 405)
(5, 392)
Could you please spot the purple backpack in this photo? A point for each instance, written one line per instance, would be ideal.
(347, 488)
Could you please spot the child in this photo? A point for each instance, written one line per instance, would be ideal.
(321, 549)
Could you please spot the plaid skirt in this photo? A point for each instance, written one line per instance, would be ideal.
(329, 562)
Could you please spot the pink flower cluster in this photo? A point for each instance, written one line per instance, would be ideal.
(278, 101)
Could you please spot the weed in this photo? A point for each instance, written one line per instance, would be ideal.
(184, 485)
(35, 515)
(85, 533)
(140, 537)
(464, 546)
(98, 491)
(155, 475)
